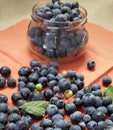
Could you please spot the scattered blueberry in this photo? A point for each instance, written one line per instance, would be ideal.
(5, 71)
(91, 64)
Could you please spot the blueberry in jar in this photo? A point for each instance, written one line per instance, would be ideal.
(5, 71)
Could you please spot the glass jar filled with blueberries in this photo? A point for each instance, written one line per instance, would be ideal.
(56, 30)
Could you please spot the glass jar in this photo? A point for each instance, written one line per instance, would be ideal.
(59, 41)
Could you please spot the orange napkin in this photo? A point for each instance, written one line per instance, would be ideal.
(14, 52)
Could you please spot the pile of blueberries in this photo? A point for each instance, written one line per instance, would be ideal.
(55, 40)
(88, 107)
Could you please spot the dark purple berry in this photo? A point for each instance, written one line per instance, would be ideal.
(11, 82)
(5, 71)
(91, 64)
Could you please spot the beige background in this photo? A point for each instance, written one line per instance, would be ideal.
(99, 11)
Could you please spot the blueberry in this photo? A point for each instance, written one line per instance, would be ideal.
(111, 117)
(62, 112)
(25, 93)
(13, 117)
(98, 101)
(74, 88)
(48, 94)
(43, 80)
(59, 76)
(110, 108)
(56, 89)
(60, 104)
(46, 122)
(75, 127)
(98, 116)
(97, 92)
(15, 97)
(86, 118)
(61, 18)
(3, 98)
(80, 94)
(27, 118)
(64, 84)
(50, 5)
(52, 84)
(54, 100)
(30, 85)
(61, 52)
(50, 53)
(40, 14)
(33, 77)
(53, 71)
(73, 14)
(3, 107)
(24, 71)
(3, 118)
(35, 63)
(102, 109)
(36, 95)
(80, 76)
(71, 74)
(65, 9)
(82, 125)
(37, 41)
(48, 15)
(90, 110)
(34, 32)
(10, 126)
(49, 128)
(79, 83)
(76, 117)
(20, 102)
(21, 125)
(87, 89)
(53, 64)
(95, 86)
(106, 100)
(88, 99)
(60, 95)
(51, 77)
(53, 1)
(102, 125)
(11, 82)
(23, 78)
(68, 4)
(78, 102)
(36, 70)
(75, 4)
(63, 124)
(70, 108)
(2, 126)
(2, 82)
(92, 125)
(13, 109)
(52, 109)
(36, 126)
(91, 64)
(56, 11)
(21, 84)
(56, 5)
(109, 122)
(106, 80)
(5, 71)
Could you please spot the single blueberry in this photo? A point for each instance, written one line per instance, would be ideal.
(2, 82)
(11, 82)
(5, 71)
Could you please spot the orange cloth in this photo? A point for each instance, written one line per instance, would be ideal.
(14, 53)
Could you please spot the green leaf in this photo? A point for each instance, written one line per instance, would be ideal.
(109, 92)
(36, 108)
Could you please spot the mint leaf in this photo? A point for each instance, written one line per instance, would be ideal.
(109, 92)
(36, 108)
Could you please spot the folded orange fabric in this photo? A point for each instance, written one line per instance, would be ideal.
(14, 52)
